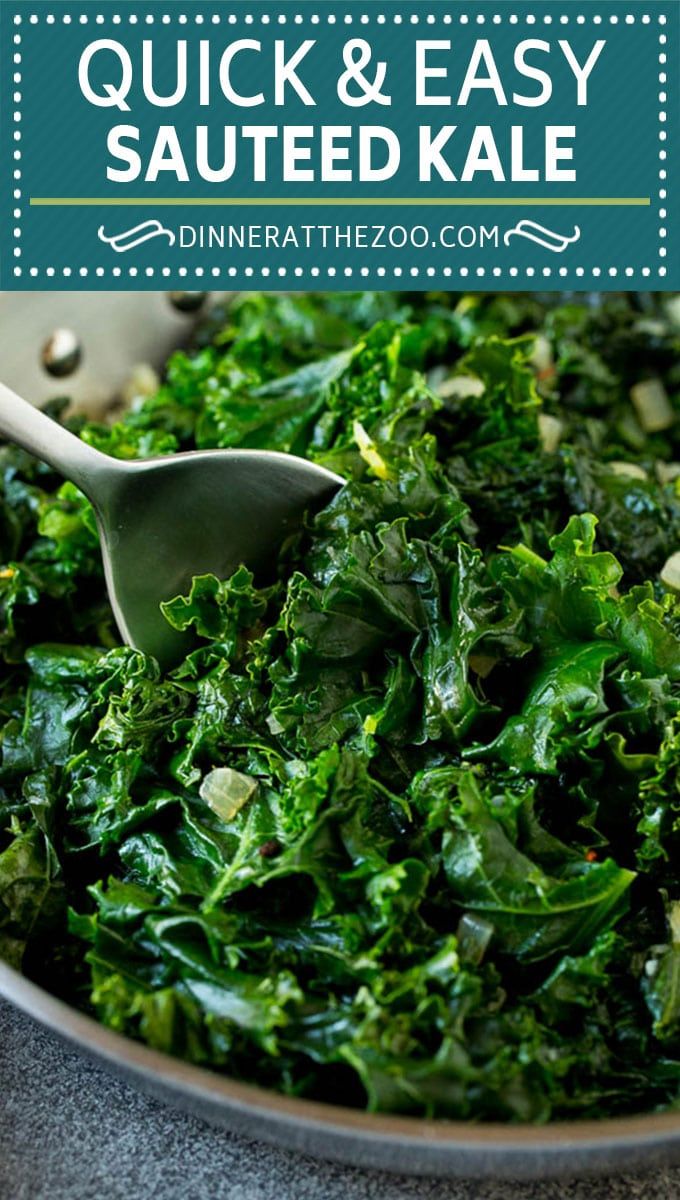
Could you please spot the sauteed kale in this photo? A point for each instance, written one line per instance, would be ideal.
(404, 829)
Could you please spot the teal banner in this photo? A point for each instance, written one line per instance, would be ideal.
(430, 144)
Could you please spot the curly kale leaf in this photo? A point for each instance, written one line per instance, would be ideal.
(402, 830)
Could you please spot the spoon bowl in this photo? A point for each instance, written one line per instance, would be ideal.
(163, 520)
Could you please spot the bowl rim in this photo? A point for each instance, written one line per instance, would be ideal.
(405, 1143)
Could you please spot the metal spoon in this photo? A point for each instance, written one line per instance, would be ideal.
(163, 520)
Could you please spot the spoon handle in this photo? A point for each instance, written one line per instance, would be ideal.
(31, 429)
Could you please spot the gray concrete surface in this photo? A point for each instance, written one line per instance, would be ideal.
(68, 1131)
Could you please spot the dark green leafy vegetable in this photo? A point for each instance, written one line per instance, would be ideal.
(403, 829)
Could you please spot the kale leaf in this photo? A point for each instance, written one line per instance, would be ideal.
(402, 830)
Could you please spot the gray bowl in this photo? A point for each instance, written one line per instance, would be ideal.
(119, 330)
(401, 1144)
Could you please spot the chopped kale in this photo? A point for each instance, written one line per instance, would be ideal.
(401, 830)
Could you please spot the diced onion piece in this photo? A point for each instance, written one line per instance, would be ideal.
(482, 664)
(652, 405)
(550, 430)
(226, 791)
(473, 935)
(142, 382)
(437, 375)
(667, 472)
(651, 326)
(368, 451)
(673, 309)
(458, 387)
(670, 572)
(633, 470)
(541, 356)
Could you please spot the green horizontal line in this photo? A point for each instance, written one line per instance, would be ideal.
(341, 201)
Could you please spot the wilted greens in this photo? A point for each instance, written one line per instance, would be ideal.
(403, 830)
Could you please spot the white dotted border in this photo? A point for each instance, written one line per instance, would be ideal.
(17, 210)
(663, 153)
(348, 19)
(332, 272)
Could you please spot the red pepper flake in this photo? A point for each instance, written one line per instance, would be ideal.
(270, 849)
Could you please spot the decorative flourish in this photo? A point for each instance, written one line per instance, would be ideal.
(129, 239)
(557, 242)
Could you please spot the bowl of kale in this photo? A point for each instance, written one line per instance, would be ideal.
(388, 866)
